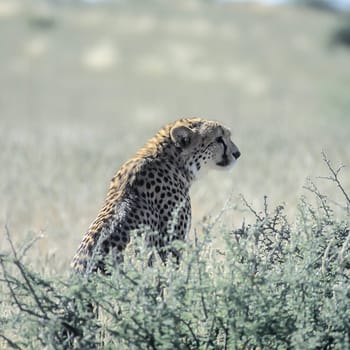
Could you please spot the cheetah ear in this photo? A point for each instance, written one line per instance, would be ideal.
(181, 136)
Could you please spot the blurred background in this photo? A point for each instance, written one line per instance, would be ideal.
(84, 84)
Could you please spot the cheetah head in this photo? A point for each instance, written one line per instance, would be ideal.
(204, 143)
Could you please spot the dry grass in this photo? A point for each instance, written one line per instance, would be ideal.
(82, 87)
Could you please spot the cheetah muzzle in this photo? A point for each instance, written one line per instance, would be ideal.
(153, 184)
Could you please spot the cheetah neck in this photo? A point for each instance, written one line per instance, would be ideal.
(161, 147)
(192, 171)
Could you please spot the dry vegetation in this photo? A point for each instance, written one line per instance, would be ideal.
(82, 87)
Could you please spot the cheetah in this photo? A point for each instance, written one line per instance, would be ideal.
(150, 187)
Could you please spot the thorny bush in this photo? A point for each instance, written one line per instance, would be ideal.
(271, 285)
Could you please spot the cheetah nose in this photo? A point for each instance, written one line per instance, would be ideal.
(236, 154)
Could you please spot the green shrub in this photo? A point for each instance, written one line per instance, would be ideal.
(341, 35)
(272, 285)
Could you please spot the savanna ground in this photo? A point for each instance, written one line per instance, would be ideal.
(84, 86)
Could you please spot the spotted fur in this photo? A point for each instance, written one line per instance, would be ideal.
(153, 185)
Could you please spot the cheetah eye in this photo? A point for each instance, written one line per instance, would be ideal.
(219, 139)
